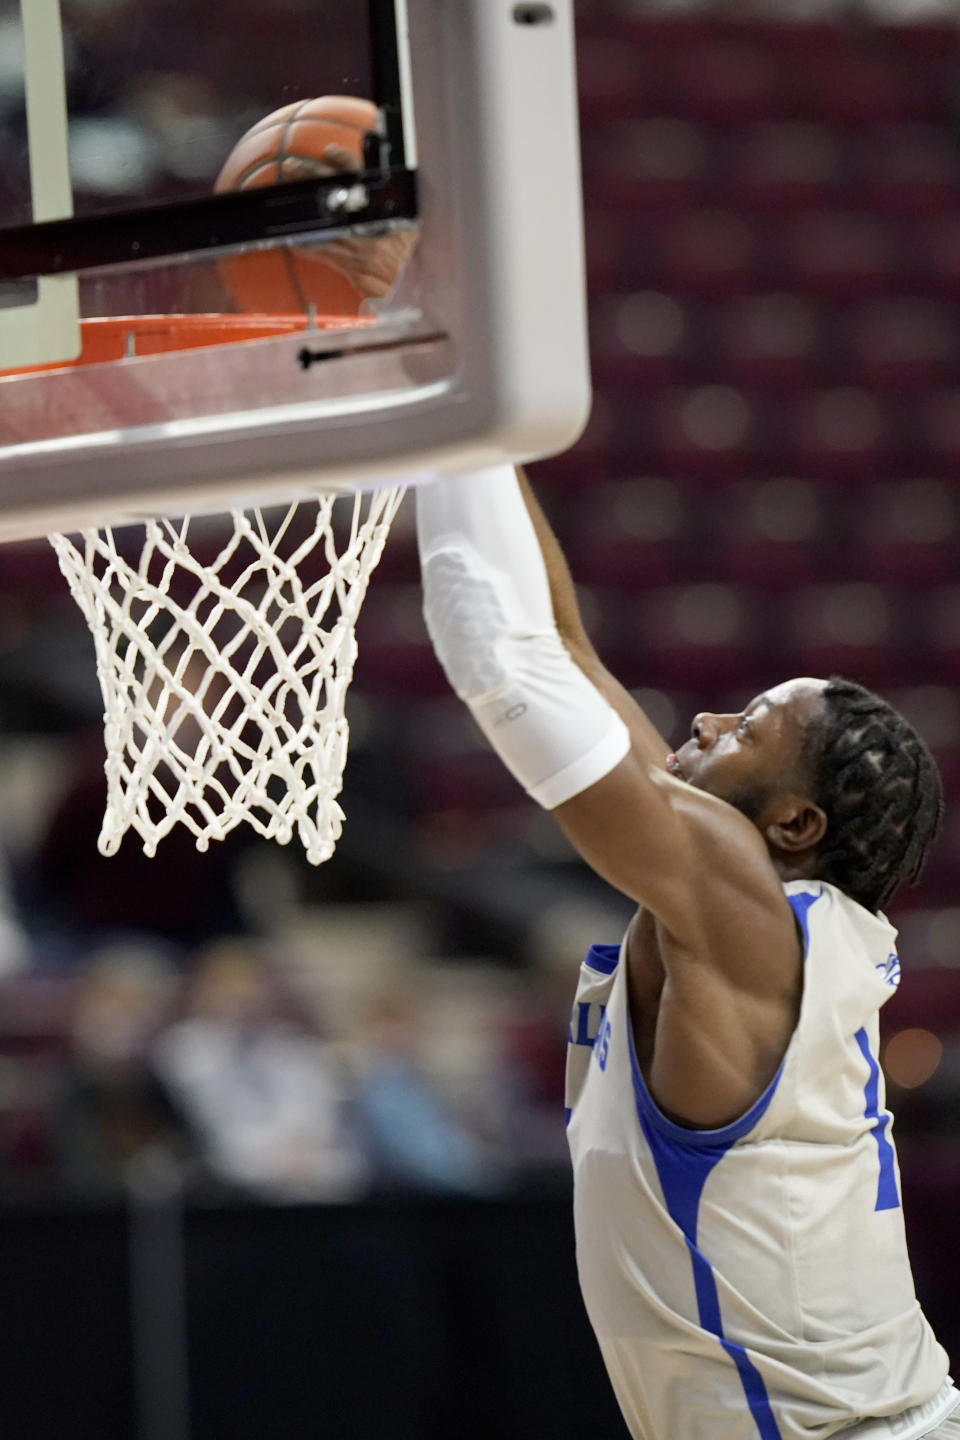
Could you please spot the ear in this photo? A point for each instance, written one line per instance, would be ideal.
(795, 823)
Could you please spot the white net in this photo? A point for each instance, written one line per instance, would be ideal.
(225, 675)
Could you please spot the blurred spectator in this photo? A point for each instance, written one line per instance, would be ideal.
(415, 1140)
(109, 1110)
(14, 944)
(266, 1097)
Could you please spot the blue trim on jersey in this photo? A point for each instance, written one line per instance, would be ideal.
(646, 1105)
(603, 958)
(887, 1196)
(567, 1114)
(683, 1170)
(684, 1159)
(725, 1135)
(800, 905)
(756, 1392)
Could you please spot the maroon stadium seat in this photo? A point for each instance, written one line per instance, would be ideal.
(841, 254)
(900, 342)
(783, 166)
(770, 340)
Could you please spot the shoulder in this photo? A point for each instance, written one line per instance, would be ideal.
(828, 905)
(831, 922)
(733, 909)
(691, 858)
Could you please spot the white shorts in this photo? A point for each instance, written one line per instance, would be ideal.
(948, 1430)
(942, 1413)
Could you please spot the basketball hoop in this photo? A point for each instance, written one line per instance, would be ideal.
(107, 338)
(224, 675)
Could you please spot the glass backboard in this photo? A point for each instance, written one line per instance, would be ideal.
(259, 248)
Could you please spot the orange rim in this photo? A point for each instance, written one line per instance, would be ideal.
(106, 339)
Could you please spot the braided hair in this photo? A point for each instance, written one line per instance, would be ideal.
(881, 791)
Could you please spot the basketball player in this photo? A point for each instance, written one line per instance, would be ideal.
(740, 1237)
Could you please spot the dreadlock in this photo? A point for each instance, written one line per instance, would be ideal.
(881, 791)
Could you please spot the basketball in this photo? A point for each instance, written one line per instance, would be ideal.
(290, 144)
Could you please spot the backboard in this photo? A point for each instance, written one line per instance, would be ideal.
(120, 210)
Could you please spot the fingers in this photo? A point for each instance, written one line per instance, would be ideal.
(337, 160)
(340, 160)
(296, 167)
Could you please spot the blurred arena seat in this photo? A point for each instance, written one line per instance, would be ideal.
(646, 164)
(936, 421)
(840, 254)
(773, 534)
(935, 244)
(785, 165)
(640, 532)
(771, 340)
(862, 84)
(707, 629)
(730, 77)
(839, 432)
(900, 342)
(907, 534)
(702, 430)
(909, 169)
(703, 251)
(853, 627)
(643, 338)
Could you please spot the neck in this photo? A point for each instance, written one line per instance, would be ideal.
(794, 867)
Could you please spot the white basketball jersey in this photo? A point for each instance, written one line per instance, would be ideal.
(752, 1282)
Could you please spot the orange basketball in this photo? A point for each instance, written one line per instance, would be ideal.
(290, 145)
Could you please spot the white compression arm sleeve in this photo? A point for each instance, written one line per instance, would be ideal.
(489, 614)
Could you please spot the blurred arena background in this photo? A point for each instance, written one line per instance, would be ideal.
(282, 1150)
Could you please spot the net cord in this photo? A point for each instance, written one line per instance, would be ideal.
(270, 748)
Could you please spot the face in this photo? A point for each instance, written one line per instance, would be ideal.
(751, 758)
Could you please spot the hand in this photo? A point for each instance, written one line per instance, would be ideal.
(371, 262)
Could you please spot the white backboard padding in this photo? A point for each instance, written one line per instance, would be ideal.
(494, 368)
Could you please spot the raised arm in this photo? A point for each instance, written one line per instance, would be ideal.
(488, 608)
(502, 614)
(644, 738)
(501, 611)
